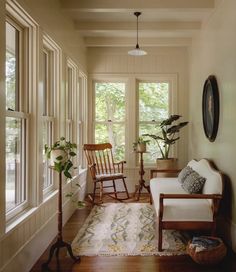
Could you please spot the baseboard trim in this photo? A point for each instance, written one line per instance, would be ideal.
(42, 238)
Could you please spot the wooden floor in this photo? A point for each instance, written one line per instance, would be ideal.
(123, 264)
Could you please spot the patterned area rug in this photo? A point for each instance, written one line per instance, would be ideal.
(124, 229)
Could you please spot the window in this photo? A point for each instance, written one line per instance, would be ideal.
(71, 96)
(82, 114)
(72, 107)
(110, 116)
(153, 107)
(16, 118)
(50, 64)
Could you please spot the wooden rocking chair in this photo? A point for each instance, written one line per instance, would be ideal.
(103, 169)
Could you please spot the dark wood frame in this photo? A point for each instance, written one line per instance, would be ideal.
(100, 161)
(210, 108)
(139, 187)
(189, 225)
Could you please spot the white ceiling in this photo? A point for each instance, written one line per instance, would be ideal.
(162, 22)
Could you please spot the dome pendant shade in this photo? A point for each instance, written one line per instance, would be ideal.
(137, 51)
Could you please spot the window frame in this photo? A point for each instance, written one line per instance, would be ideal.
(108, 79)
(73, 122)
(171, 79)
(50, 117)
(28, 32)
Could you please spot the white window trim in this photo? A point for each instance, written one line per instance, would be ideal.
(110, 79)
(173, 96)
(51, 47)
(132, 106)
(82, 118)
(73, 124)
(23, 22)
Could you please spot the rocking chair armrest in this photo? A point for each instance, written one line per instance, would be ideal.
(120, 166)
(93, 165)
(120, 162)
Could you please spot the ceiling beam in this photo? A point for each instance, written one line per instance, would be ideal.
(123, 26)
(130, 42)
(131, 5)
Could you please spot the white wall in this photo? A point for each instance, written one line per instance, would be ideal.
(22, 242)
(115, 62)
(214, 52)
(57, 25)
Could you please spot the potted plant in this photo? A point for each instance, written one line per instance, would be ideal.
(167, 137)
(140, 145)
(60, 155)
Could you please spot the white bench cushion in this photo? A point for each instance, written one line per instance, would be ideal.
(179, 209)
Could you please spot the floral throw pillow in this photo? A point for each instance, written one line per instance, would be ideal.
(184, 173)
(193, 183)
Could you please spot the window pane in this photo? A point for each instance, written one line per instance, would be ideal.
(114, 134)
(110, 101)
(152, 147)
(153, 101)
(12, 63)
(45, 83)
(47, 139)
(69, 94)
(15, 152)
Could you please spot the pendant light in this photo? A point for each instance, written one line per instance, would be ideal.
(137, 51)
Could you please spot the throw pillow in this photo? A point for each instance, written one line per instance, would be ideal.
(184, 173)
(193, 183)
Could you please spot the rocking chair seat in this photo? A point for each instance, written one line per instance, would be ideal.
(107, 176)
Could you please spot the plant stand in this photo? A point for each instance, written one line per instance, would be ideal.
(141, 185)
(55, 248)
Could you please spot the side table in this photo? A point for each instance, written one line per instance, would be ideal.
(141, 185)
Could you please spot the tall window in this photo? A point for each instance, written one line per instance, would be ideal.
(110, 116)
(72, 106)
(48, 110)
(71, 101)
(153, 107)
(16, 118)
(50, 65)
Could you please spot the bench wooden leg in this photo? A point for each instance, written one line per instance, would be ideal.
(159, 238)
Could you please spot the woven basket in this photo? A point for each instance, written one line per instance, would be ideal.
(208, 256)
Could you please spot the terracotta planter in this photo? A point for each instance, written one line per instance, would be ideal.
(56, 153)
(141, 147)
(165, 164)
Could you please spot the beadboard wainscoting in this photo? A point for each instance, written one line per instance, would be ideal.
(23, 243)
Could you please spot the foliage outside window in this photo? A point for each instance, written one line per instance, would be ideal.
(110, 116)
(72, 106)
(50, 63)
(153, 107)
(16, 119)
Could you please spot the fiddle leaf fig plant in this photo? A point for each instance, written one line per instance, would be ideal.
(60, 155)
(167, 137)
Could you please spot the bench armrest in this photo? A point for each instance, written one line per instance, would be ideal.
(215, 203)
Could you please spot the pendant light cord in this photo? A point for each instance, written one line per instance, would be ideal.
(137, 13)
(137, 46)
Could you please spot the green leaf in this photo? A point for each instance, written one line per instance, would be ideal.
(58, 167)
(59, 158)
(72, 154)
(69, 194)
(67, 174)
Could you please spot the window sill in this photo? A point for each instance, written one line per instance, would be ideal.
(30, 211)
